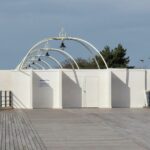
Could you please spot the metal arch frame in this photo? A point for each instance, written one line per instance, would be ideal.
(83, 42)
(51, 58)
(86, 44)
(55, 60)
(33, 66)
(38, 64)
(58, 50)
(63, 52)
(47, 64)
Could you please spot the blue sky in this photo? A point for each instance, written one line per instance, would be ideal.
(102, 22)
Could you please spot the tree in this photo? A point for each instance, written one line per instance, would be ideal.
(82, 63)
(115, 58)
(119, 57)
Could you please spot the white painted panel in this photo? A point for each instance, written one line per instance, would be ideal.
(22, 89)
(74, 85)
(104, 89)
(120, 88)
(5, 80)
(148, 80)
(46, 89)
(71, 90)
(91, 92)
(137, 88)
(129, 88)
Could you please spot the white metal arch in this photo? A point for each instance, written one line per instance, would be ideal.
(42, 61)
(51, 58)
(58, 50)
(47, 64)
(55, 60)
(84, 42)
(39, 65)
(62, 52)
(88, 45)
(44, 50)
(33, 66)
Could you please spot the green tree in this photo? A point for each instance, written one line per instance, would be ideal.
(82, 63)
(115, 58)
(120, 60)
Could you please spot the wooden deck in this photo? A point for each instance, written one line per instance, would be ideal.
(17, 132)
(75, 129)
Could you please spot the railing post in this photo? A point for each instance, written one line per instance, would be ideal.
(0, 98)
(5, 98)
(10, 99)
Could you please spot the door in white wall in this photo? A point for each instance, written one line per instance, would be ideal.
(91, 92)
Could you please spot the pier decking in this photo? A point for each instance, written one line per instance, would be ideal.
(75, 129)
(17, 132)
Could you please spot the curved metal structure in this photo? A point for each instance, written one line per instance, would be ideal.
(89, 47)
(55, 60)
(39, 65)
(45, 50)
(63, 53)
(51, 58)
(33, 66)
(47, 64)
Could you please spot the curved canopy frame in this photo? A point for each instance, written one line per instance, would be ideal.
(31, 67)
(47, 64)
(39, 65)
(63, 53)
(55, 60)
(52, 59)
(89, 47)
(34, 66)
(67, 55)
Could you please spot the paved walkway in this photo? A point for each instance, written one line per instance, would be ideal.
(75, 129)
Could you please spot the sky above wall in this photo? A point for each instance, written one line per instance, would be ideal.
(101, 22)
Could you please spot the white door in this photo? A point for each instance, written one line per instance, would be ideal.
(91, 92)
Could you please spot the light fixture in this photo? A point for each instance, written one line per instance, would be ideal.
(47, 54)
(142, 60)
(62, 46)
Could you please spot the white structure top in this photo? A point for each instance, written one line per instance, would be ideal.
(42, 48)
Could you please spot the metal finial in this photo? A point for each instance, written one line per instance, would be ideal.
(62, 33)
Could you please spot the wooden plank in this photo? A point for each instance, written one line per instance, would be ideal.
(27, 143)
(7, 144)
(3, 132)
(32, 135)
(14, 133)
(1, 128)
(17, 132)
(11, 142)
